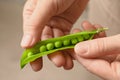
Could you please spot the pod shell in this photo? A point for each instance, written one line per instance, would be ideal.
(33, 53)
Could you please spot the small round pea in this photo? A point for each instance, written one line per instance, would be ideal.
(86, 36)
(30, 54)
(66, 42)
(58, 44)
(43, 48)
(80, 38)
(50, 46)
(74, 41)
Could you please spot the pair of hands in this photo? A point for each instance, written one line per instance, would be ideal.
(45, 19)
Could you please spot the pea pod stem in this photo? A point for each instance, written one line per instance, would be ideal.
(33, 53)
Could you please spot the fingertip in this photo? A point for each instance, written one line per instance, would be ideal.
(86, 23)
(26, 40)
(69, 62)
(68, 67)
(75, 30)
(37, 64)
(81, 49)
(87, 26)
(57, 58)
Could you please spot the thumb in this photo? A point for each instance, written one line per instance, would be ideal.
(99, 47)
(36, 14)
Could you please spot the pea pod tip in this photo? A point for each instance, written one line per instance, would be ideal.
(102, 29)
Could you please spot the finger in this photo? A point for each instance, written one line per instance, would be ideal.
(57, 58)
(27, 12)
(57, 32)
(75, 30)
(28, 9)
(87, 26)
(69, 61)
(98, 47)
(47, 33)
(95, 66)
(37, 64)
(71, 53)
(33, 25)
(60, 23)
(69, 58)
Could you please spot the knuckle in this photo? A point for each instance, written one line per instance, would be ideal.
(31, 28)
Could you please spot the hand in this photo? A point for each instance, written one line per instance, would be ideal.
(100, 56)
(43, 19)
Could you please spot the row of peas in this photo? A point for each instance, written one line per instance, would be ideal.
(62, 43)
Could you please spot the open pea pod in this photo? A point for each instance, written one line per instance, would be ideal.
(56, 44)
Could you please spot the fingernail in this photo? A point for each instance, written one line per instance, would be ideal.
(81, 49)
(26, 40)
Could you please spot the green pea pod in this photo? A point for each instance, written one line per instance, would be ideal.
(56, 44)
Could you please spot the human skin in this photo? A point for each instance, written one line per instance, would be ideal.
(43, 19)
(100, 56)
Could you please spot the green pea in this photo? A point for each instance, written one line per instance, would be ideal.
(66, 42)
(43, 48)
(86, 36)
(80, 38)
(74, 41)
(50, 46)
(58, 44)
(30, 54)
